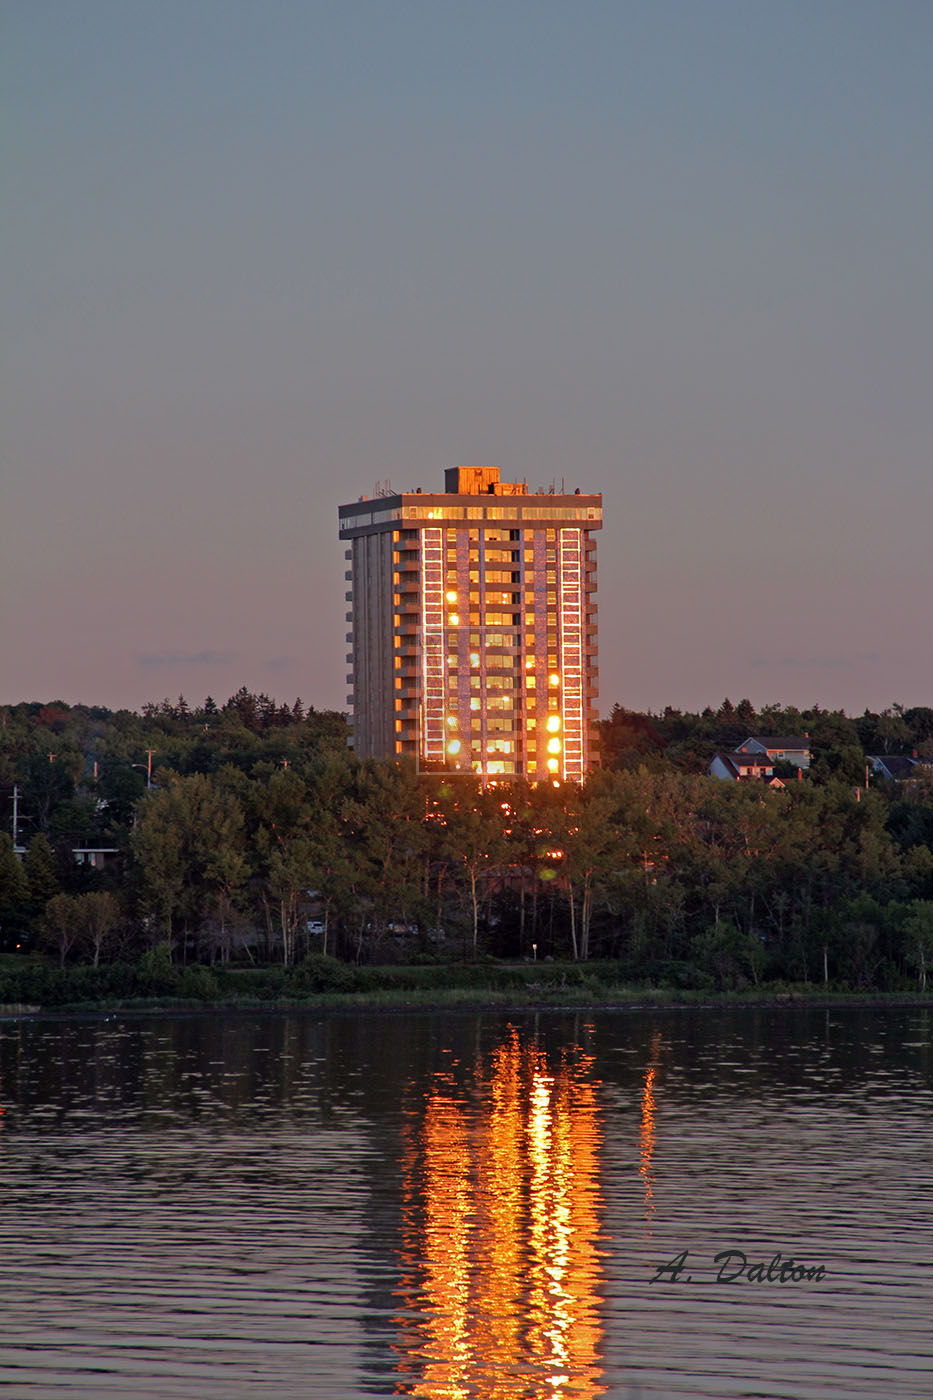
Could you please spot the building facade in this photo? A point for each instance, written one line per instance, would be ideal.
(474, 631)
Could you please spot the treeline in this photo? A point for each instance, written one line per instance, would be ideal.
(840, 744)
(263, 839)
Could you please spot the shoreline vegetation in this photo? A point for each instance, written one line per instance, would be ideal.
(326, 985)
(243, 854)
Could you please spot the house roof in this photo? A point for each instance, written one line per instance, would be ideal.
(726, 761)
(778, 741)
(737, 761)
(896, 765)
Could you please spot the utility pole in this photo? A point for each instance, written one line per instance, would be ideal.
(16, 817)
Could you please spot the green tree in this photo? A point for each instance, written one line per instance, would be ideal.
(474, 841)
(121, 787)
(99, 917)
(48, 777)
(61, 925)
(627, 738)
(892, 730)
(283, 823)
(591, 845)
(189, 844)
(158, 844)
(333, 875)
(14, 896)
(40, 868)
(918, 934)
(383, 821)
(837, 753)
(720, 953)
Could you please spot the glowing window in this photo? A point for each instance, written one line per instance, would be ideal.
(432, 645)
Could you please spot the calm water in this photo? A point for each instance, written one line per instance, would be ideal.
(467, 1206)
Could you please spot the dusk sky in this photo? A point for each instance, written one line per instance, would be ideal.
(260, 257)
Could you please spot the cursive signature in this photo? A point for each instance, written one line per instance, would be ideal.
(733, 1266)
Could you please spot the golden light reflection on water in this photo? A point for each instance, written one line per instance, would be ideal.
(648, 1130)
(501, 1261)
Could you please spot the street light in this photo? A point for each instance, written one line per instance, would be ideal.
(146, 767)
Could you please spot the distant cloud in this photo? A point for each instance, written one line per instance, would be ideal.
(154, 660)
(279, 663)
(815, 663)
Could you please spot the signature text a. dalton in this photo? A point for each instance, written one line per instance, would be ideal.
(733, 1266)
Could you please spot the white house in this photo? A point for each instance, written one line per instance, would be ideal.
(792, 748)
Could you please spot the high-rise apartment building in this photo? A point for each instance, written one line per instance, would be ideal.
(474, 627)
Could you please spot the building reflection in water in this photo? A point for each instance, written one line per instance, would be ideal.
(648, 1131)
(501, 1260)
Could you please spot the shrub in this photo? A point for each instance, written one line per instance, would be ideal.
(198, 983)
(319, 973)
(156, 974)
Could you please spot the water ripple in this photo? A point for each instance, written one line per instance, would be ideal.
(465, 1206)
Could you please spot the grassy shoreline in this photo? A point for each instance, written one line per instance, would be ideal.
(34, 986)
(398, 1001)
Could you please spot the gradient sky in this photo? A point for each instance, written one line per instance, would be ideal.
(260, 257)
